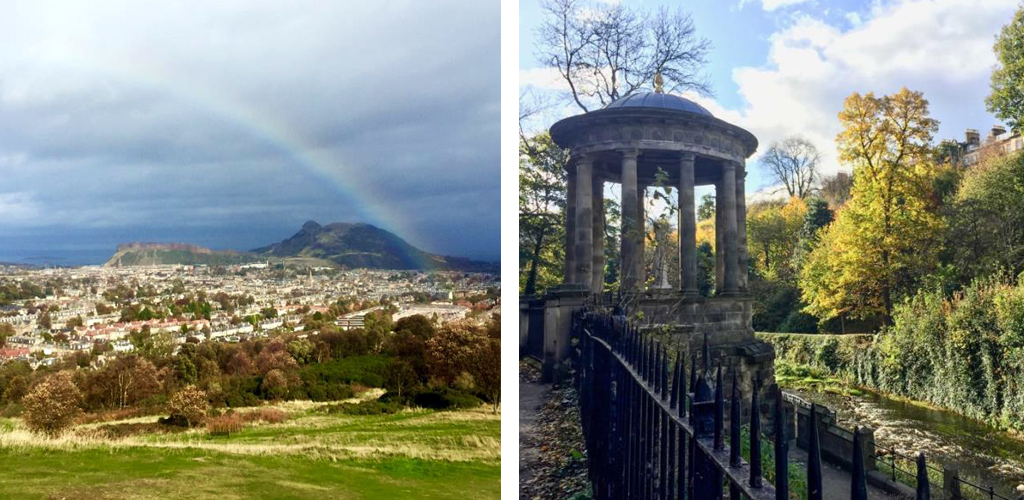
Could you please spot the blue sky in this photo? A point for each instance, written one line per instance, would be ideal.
(782, 67)
(229, 124)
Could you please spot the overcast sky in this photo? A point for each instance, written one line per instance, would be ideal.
(783, 67)
(230, 123)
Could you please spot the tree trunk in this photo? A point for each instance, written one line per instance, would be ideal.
(531, 281)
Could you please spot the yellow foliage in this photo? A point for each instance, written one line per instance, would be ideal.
(886, 236)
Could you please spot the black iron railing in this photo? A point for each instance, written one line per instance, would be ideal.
(650, 435)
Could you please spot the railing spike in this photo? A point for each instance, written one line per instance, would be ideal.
(923, 488)
(648, 361)
(693, 380)
(814, 458)
(705, 355)
(858, 483)
(781, 450)
(734, 423)
(755, 437)
(681, 409)
(719, 410)
(664, 376)
(656, 367)
(675, 380)
(645, 351)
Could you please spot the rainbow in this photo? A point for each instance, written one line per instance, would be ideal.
(344, 179)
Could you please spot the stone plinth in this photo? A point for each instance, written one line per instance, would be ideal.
(726, 321)
(558, 308)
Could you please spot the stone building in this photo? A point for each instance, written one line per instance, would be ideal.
(636, 141)
(997, 142)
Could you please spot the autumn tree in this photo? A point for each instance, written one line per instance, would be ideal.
(885, 238)
(986, 224)
(542, 191)
(773, 230)
(486, 370)
(52, 406)
(123, 382)
(835, 189)
(188, 405)
(6, 330)
(604, 51)
(1007, 98)
(793, 162)
(451, 352)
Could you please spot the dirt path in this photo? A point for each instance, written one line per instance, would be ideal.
(532, 397)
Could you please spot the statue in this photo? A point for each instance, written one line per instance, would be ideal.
(660, 262)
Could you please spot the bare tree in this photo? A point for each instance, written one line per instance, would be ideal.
(836, 189)
(604, 52)
(793, 162)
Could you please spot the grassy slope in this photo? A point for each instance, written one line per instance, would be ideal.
(421, 454)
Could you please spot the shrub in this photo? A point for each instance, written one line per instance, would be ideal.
(52, 406)
(267, 415)
(189, 406)
(374, 407)
(225, 424)
(445, 399)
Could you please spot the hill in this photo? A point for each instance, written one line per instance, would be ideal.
(157, 254)
(349, 245)
(358, 245)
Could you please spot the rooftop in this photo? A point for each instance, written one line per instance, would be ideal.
(659, 101)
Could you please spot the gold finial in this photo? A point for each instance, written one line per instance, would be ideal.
(658, 83)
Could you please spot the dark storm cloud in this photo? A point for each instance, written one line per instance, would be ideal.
(230, 124)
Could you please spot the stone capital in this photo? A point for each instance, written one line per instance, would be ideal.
(577, 158)
(629, 154)
(687, 157)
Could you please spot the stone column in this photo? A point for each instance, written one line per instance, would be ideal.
(687, 228)
(598, 266)
(569, 274)
(630, 206)
(641, 244)
(741, 224)
(719, 239)
(731, 238)
(584, 221)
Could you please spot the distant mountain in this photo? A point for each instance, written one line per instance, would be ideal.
(157, 254)
(350, 245)
(357, 245)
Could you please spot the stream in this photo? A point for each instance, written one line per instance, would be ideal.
(984, 455)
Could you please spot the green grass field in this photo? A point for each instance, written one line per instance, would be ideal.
(413, 454)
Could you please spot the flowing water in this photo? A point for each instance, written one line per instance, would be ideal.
(984, 455)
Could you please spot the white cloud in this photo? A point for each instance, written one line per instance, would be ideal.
(940, 47)
(770, 5)
(541, 78)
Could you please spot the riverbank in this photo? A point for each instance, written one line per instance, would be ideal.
(984, 454)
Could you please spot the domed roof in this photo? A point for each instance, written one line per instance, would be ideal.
(658, 100)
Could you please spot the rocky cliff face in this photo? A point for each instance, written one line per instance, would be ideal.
(159, 254)
(350, 245)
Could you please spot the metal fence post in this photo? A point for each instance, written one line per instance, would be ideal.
(781, 450)
(858, 483)
(813, 458)
(923, 489)
(951, 483)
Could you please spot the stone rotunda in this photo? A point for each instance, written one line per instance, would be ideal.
(636, 141)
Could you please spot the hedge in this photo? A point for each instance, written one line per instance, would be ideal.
(964, 353)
